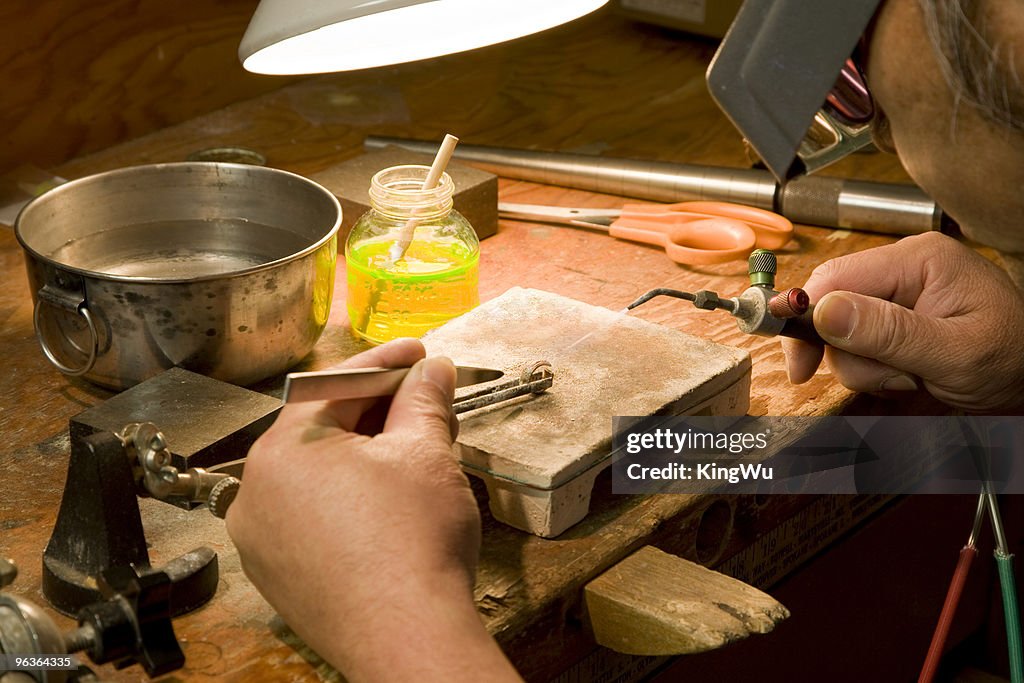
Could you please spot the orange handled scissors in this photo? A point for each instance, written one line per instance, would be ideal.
(693, 233)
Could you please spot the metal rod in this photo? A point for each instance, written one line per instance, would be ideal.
(888, 208)
(656, 180)
(979, 515)
(1002, 548)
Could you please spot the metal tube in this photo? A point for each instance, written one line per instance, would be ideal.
(886, 208)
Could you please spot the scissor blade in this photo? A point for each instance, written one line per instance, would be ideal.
(349, 383)
(587, 218)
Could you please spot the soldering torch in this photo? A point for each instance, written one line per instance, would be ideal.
(760, 310)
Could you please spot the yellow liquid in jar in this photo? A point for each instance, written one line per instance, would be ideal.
(434, 282)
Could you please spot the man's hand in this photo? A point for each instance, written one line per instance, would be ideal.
(925, 312)
(367, 545)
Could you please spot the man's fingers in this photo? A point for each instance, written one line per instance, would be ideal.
(873, 328)
(872, 272)
(868, 375)
(423, 404)
(802, 359)
(400, 353)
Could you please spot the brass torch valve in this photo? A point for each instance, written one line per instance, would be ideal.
(761, 309)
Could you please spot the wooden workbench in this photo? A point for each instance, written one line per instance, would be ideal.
(601, 85)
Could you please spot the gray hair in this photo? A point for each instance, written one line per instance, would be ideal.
(979, 68)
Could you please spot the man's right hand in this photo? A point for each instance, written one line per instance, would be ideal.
(926, 312)
(365, 539)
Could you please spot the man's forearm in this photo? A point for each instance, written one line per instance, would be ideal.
(432, 638)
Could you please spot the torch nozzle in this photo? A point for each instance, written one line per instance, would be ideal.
(703, 299)
(661, 291)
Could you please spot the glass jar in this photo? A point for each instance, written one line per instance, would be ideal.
(436, 279)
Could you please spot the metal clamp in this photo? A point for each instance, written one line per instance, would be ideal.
(94, 338)
(162, 480)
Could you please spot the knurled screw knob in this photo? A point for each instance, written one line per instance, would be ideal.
(223, 495)
(762, 266)
(792, 303)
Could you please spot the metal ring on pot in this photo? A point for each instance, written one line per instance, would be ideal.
(93, 347)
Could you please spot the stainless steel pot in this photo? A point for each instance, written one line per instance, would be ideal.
(223, 269)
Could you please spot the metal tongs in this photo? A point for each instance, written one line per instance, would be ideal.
(536, 378)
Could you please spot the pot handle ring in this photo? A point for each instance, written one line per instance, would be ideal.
(83, 310)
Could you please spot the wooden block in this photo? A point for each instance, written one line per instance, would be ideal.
(654, 603)
(476, 191)
(532, 451)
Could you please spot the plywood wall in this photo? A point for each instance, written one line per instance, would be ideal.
(80, 75)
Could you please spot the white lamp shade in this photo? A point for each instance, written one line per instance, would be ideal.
(317, 36)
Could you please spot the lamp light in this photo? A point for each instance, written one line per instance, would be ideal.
(318, 36)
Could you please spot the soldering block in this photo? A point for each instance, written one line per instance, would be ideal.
(539, 455)
(476, 192)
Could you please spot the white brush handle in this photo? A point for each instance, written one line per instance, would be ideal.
(444, 155)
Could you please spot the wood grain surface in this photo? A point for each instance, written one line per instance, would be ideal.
(81, 75)
(600, 85)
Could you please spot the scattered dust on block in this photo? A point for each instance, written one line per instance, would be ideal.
(627, 366)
